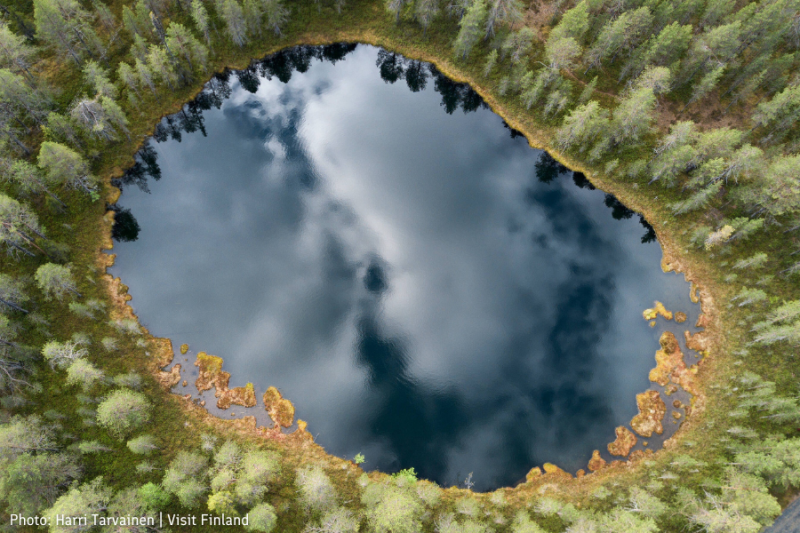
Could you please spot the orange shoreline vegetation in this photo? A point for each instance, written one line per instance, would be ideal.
(657, 310)
(211, 374)
(279, 408)
(624, 442)
(651, 413)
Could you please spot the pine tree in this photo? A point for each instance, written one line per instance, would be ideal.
(19, 226)
(588, 91)
(142, 445)
(131, 23)
(697, 200)
(19, 101)
(503, 12)
(101, 116)
(425, 11)
(123, 411)
(634, 117)
(129, 78)
(84, 500)
(97, 78)
(57, 281)
(15, 54)
(139, 48)
(714, 47)
(668, 46)
(623, 34)
(160, 65)
(12, 293)
(491, 62)
(779, 189)
(200, 18)
(396, 6)
(186, 47)
(254, 15)
(657, 79)
(277, 15)
(66, 26)
(471, 28)
(29, 180)
(233, 15)
(518, 44)
(780, 114)
(106, 17)
(65, 166)
(706, 85)
(574, 24)
(583, 127)
(145, 75)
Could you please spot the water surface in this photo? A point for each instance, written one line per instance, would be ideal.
(426, 288)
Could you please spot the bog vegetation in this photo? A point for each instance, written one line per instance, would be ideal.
(690, 106)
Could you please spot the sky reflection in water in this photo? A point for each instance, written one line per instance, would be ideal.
(409, 278)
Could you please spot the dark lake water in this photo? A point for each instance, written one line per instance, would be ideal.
(425, 288)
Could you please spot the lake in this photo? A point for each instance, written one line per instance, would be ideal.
(367, 236)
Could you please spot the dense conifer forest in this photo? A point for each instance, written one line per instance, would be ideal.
(686, 110)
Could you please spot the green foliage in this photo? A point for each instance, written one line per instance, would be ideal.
(15, 53)
(429, 493)
(633, 118)
(336, 520)
(523, 524)
(62, 165)
(200, 18)
(84, 500)
(142, 445)
(471, 28)
(92, 446)
(222, 503)
(316, 492)
(748, 296)
(131, 380)
(392, 509)
(32, 481)
(18, 227)
(123, 411)
(518, 44)
(448, 523)
(584, 126)
(574, 24)
(468, 506)
(407, 476)
(240, 478)
(153, 496)
(65, 25)
(63, 354)
(262, 518)
(82, 372)
(56, 281)
(186, 478)
(12, 293)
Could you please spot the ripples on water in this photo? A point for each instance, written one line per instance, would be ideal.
(426, 288)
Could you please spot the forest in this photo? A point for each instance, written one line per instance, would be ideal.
(688, 111)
